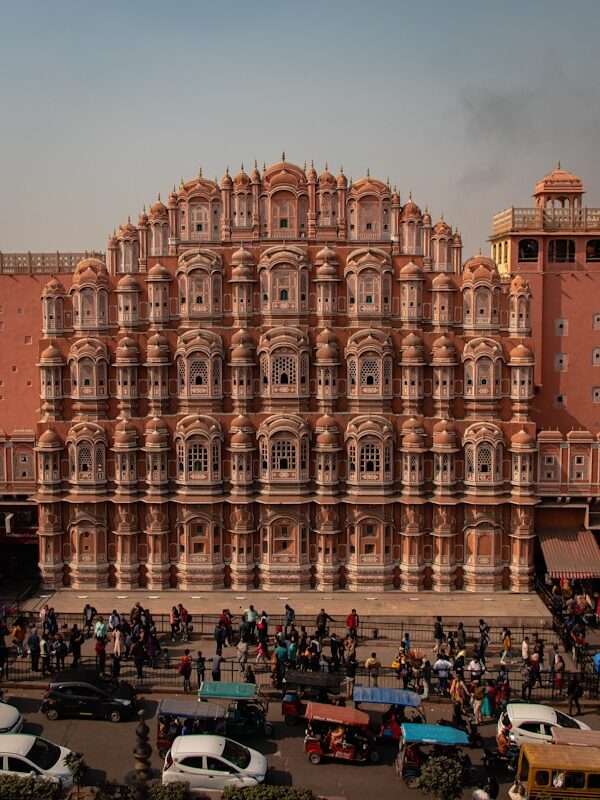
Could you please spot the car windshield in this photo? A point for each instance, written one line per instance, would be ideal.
(236, 754)
(44, 754)
(564, 721)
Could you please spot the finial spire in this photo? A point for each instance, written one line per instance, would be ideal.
(242, 166)
(410, 194)
(368, 172)
(326, 166)
(159, 197)
(200, 172)
(227, 170)
(342, 169)
(283, 156)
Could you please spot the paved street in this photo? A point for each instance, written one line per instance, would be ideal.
(422, 605)
(108, 750)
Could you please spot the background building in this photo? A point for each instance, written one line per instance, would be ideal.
(288, 380)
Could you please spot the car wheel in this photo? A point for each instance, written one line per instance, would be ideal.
(268, 729)
(52, 714)
(314, 758)
(115, 716)
(374, 757)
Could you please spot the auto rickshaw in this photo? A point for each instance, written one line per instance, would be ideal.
(397, 700)
(300, 687)
(246, 711)
(420, 741)
(180, 716)
(336, 732)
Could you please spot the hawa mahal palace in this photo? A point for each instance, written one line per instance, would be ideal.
(288, 380)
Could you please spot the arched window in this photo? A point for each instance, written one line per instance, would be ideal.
(283, 455)
(528, 250)
(484, 462)
(370, 460)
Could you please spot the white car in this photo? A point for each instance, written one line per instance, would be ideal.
(11, 719)
(212, 762)
(531, 722)
(23, 754)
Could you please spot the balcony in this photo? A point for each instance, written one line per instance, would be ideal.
(513, 220)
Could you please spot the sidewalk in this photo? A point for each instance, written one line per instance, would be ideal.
(504, 608)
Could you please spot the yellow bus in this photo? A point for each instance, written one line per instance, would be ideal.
(555, 771)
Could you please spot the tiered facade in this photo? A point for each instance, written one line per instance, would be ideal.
(286, 381)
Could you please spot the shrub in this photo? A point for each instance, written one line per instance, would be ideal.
(263, 792)
(171, 791)
(12, 787)
(441, 778)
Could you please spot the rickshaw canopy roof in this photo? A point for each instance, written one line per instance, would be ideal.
(560, 756)
(390, 697)
(577, 738)
(216, 690)
(324, 680)
(340, 715)
(416, 733)
(189, 709)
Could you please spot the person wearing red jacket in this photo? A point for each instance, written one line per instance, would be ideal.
(352, 623)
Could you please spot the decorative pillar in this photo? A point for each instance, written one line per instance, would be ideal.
(226, 216)
(312, 201)
(143, 241)
(327, 527)
(126, 532)
(342, 187)
(50, 537)
(173, 210)
(444, 543)
(412, 565)
(243, 530)
(522, 539)
(157, 536)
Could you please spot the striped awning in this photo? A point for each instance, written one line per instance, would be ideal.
(570, 553)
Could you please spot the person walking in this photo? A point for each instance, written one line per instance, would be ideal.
(290, 618)
(426, 671)
(118, 642)
(336, 650)
(185, 670)
(438, 635)
(76, 640)
(174, 622)
(574, 694)
(558, 672)
(525, 650)
(251, 616)
(138, 653)
(33, 645)
(18, 637)
(100, 629)
(216, 666)
(526, 682)
(44, 655)
(442, 669)
(461, 637)
(352, 623)
(220, 637)
(200, 667)
(478, 696)
(506, 645)
(100, 648)
(89, 613)
(322, 619)
(114, 620)
(242, 649)
(373, 665)
(60, 651)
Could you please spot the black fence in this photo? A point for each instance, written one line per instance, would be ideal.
(370, 628)
(165, 675)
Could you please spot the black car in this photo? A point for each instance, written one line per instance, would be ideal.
(84, 693)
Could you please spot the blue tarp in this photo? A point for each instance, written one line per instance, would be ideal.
(389, 697)
(415, 733)
(596, 660)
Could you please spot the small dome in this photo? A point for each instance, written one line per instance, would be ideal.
(226, 182)
(125, 433)
(411, 271)
(326, 423)
(90, 270)
(327, 438)
(241, 422)
(411, 424)
(242, 346)
(519, 284)
(50, 438)
(242, 437)
(156, 432)
(327, 349)
(443, 283)
(342, 181)
(412, 439)
(127, 349)
(457, 238)
(559, 180)
(522, 438)
(471, 264)
(51, 354)
(426, 218)
(521, 353)
(158, 347)
(158, 210)
(411, 210)
(327, 180)
(441, 228)
(159, 273)
(412, 340)
(242, 256)
(127, 231)
(128, 282)
(242, 178)
(326, 254)
(53, 287)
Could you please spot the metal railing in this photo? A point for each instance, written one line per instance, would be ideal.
(164, 674)
(547, 219)
(44, 263)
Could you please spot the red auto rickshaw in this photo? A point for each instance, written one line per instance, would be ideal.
(337, 732)
(301, 687)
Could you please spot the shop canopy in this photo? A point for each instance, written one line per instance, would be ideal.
(570, 553)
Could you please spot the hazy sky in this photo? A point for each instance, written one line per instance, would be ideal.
(466, 103)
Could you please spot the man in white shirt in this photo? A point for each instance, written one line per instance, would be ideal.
(442, 669)
(525, 650)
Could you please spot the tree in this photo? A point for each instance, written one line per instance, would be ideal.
(441, 778)
(76, 764)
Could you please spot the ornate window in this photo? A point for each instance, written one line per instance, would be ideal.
(200, 284)
(199, 366)
(483, 454)
(283, 447)
(284, 363)
(198, 448)
(88, 369)
(87, 454)
(369, 450)
(283, 277)
(369, 365)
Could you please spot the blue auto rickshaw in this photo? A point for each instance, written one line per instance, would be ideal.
(246, 709)
(419, 742)
(397, 702)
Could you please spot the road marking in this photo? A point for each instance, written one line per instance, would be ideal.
(283, 598)
(47, 595)
(414, 599)
(197, 597)
(370, 598)
(153, 597)
(122, 596)
(80, 596)
(240, 597)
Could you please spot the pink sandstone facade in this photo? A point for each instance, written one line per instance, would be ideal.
(288, 381)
